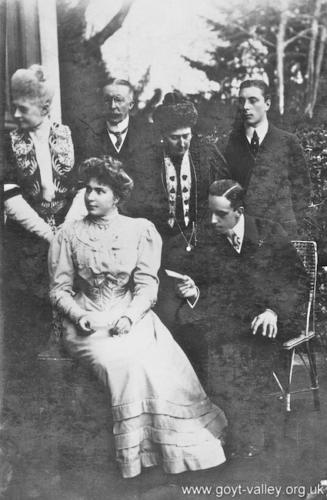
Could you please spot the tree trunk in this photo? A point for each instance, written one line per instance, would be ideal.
(320, 57)
(311, 60)
(82, 70)
(280, 53)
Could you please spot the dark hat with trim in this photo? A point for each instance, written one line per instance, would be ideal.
(175, 112)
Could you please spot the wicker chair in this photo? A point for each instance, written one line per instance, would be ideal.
(307, 251)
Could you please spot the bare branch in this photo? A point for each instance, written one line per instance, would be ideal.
(295, 37)
(114, 25)
(246, 32)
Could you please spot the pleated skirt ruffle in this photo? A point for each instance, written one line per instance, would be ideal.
(160, 411)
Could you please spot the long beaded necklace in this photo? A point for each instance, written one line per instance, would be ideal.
(189, 246)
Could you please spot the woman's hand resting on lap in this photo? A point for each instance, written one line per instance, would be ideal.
(122, 327)
(93, 321)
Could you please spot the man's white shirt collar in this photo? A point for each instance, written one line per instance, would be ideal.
(260, 129)
(238, 229)
(119, 127)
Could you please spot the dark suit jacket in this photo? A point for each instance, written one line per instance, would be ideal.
(277, 180)
(234, 287)
(98, 143)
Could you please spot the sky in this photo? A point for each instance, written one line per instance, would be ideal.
(155, 37)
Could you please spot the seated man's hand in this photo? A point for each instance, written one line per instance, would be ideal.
(186, 288)
(268, 323)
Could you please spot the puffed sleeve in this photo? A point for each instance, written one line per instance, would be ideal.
(61, 274)
(145, 275)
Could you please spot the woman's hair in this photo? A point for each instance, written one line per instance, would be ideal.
(109, 172)
(229, 189)
(32, 83)
(175, 112)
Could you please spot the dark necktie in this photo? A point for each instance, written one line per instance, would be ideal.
(235, 240)
(119, 137)
(254, 146)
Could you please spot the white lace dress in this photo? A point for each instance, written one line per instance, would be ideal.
(161, 413)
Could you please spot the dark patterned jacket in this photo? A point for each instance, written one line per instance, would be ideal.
(22, 170)
(150, 198)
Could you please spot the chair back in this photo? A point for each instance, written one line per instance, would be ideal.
(307, 251)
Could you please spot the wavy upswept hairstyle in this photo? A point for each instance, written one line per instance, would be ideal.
(109, 172)
(32, 83)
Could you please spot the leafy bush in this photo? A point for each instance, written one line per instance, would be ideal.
(314, 141)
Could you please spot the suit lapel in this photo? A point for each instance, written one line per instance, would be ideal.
(251, 235)
(269, 137)
(109, 148)
(220, 244)
(107, 145)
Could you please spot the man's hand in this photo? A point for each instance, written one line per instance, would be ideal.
(268, 321)
(186, 288)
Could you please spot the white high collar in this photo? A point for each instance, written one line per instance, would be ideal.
(239, 229)
(118, 127)
(261, 129)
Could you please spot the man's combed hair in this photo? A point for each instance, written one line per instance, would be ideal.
(260, 84)
(120, 81)
(229, 189)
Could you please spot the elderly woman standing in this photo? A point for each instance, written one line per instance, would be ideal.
(38, 184)
(103, 276)
(172, 180)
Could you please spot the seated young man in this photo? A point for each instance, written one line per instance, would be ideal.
(246, 291)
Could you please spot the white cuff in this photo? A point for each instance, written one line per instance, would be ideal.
(193, 301)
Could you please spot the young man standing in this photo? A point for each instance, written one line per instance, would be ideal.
(268, 162)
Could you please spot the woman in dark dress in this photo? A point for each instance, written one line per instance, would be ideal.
(38, 189)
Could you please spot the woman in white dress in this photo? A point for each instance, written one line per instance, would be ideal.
(161, 414)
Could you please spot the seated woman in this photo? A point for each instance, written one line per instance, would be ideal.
(161, 415)
(38, 186)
